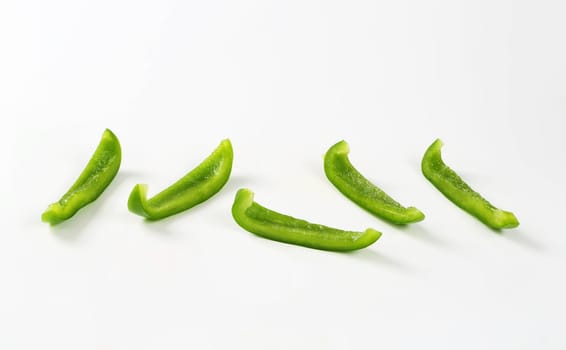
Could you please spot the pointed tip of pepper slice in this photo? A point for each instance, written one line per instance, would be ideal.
(52, 214)
(369, 237)
(226, 142)
(137, 200)
(340, 147)
(243, 200)
(432, 157)
(109, 136)
(109, 133)
(413, 215)
(504, 219)
(245, 195)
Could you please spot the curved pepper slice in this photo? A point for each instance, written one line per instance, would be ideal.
(94, 179)
(283, 228)
(455, 189)
(197, 186)
(361, 191)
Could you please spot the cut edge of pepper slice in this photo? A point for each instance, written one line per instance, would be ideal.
(269, 224)
(453, 187)
(91, 183)
(208, 178)
(349, 181)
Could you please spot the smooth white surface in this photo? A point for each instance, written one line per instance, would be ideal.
(283, 80)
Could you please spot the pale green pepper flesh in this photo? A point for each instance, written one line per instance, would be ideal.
(457, 191)
(283, 228)
(197, 186)
(361, 191)
(96, 176)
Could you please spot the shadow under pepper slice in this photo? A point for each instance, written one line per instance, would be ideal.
(283, 228)
(456, 190)
(361, 191)
(96, 176)
(197, 186)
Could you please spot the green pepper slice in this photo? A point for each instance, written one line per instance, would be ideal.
(361, 191)
(197, 186)
(96, 176)
(455, 189)
(283, 228)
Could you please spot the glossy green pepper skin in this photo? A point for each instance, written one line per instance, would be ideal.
(456, 190)
(361, 191)
(197, 186)
(283, 228)
(96, 176)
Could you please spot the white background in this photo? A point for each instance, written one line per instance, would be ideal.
(284, 80)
